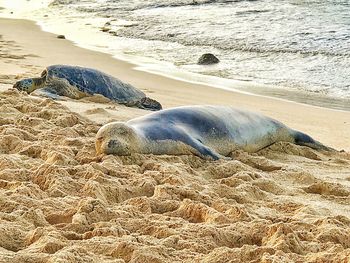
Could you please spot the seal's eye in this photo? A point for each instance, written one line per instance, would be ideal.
(122, 132)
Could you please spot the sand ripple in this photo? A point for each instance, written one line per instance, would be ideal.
(61, 203)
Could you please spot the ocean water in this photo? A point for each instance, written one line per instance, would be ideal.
(293, 49)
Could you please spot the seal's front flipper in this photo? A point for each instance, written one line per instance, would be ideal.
(196, 145)
(47, 92)
(204, 151)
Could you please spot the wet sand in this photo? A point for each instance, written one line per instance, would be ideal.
(59, 202)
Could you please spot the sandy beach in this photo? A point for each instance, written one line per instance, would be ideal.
(59, 202)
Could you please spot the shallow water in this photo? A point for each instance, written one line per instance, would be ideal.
(294, 47)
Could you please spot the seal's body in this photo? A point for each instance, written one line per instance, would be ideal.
(206, 131)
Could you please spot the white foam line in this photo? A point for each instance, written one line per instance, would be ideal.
(209, 84)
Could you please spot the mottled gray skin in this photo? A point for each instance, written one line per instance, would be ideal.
(210, 132)
(77, 82)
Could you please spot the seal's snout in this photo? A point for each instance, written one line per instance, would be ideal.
(113, 143)
(118, 147)
(111, 146)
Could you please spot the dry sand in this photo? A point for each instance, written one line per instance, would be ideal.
(59, 202)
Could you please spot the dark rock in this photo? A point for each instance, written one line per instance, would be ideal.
(105, 29)
(207, 59)
(61, 37)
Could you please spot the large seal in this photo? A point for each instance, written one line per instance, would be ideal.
(78, 82)
(210, 132)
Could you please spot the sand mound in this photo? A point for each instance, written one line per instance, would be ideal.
(61, 203)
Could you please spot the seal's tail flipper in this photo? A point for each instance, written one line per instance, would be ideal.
(149, 104)
(305, 140)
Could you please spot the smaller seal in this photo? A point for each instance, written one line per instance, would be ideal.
(78, 82)
(210, 132)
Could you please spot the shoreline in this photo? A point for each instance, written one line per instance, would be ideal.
(45, 49)
(168, 70)
(297, 97)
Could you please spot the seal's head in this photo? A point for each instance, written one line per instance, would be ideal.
(116, 138)
(27, 85)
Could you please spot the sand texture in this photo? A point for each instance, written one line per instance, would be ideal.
(59, 202)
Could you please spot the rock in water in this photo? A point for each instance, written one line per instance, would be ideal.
(208, 59)
(105, 29)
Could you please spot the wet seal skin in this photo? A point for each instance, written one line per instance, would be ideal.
(211, 132)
